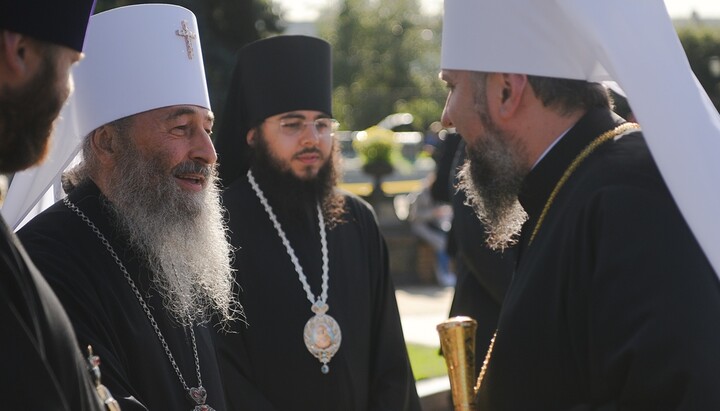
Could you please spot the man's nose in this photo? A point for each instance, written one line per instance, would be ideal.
(204, 150)
(309, 135)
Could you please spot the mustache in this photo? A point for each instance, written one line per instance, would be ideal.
(194, 167)
(309, 150)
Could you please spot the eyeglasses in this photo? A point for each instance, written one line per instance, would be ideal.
(293, 127)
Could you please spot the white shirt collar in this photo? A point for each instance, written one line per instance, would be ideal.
(547, 150)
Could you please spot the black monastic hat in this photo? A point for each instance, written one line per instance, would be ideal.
(61, 22)
(271, 76)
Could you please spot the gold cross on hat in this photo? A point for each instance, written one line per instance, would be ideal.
(188, 35)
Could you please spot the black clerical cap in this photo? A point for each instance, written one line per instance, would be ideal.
(56, 21)
(271, 76)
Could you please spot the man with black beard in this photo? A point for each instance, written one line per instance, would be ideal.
(614, 303)
(323, 327)
(137, 251)
(42, 368)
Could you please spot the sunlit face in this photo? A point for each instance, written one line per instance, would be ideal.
(303, 153)
(462, 110)
(180, 135)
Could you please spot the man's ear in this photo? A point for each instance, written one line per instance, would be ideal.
(510, 91)
(14, 49)
(250, 137)
(102, 142)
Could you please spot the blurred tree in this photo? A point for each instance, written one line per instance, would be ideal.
(225, 26)
(702, 46)
(386, 56)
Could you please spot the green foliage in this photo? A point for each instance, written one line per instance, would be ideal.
(379, 153)
(425, 110)
(700, 44)
(386, 56)
(426, 362)
(375, 145)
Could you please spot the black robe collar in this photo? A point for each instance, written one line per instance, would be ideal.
(541, 181)
(93, 203)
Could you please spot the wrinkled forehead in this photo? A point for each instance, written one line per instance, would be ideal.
(173, 113)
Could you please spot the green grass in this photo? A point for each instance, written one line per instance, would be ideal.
(426, 361)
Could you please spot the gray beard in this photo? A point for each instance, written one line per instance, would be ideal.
(491, 178)
(182, 236)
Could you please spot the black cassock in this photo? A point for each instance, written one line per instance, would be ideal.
(613, 305)
(42, 368)
(106, 314)
(266, 365)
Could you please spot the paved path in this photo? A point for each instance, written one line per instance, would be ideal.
(421, 309)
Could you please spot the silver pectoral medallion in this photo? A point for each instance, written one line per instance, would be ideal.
(322, 336)
(199, 395)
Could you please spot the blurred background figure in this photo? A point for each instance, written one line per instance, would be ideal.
(431, 221)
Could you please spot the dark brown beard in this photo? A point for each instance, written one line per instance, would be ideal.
(26, 118)
(492, 177)
(493, 200)
(293, 199)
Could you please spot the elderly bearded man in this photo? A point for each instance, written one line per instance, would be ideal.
(311, 261)
(137, 251)
(613, 305)
(42, 368)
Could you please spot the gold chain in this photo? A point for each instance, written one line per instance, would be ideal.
(483, 369)
(605, 137)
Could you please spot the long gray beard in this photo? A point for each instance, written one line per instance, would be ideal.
(181, 235)
(491, 178)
